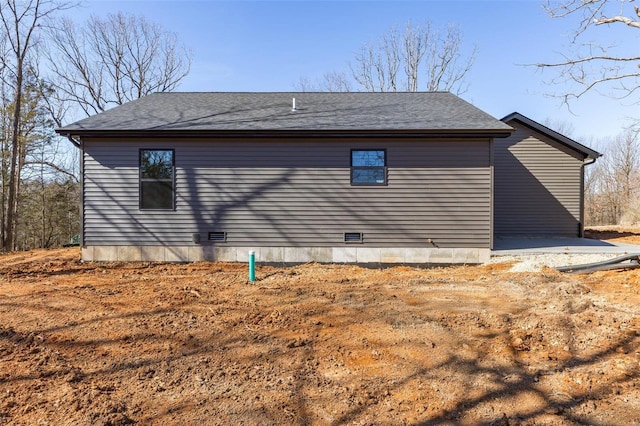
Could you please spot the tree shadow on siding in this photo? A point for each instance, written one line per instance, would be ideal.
(213, 216)
(316, 199)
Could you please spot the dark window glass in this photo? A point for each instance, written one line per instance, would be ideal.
(368, 167)
(156, 164)
(156, 179)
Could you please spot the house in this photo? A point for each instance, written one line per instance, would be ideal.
(539, 181)
(296, 177)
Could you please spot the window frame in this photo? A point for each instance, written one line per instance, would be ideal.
(172, 180)
(383, 168)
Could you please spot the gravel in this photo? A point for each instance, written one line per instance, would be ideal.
(536, 262)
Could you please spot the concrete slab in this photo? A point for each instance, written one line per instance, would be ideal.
(517, 246)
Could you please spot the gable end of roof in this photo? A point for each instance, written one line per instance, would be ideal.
(516, 116)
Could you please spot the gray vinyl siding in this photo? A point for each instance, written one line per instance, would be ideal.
(293, 193)
(538, 185)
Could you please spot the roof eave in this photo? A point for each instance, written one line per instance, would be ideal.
(287, 133)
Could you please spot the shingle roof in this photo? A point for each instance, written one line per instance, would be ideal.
(585, 150)
(262, 111)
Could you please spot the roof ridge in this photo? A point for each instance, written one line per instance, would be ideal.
(305, 92)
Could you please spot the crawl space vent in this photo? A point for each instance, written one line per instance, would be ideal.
(353, 237)
(217, 236)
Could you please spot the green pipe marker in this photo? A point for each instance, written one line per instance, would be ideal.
(252, 266)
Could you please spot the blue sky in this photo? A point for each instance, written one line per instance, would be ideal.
(268, 45)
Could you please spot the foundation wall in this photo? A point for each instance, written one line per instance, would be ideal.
(360, 255)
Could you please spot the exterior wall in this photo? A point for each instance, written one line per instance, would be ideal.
(537, 186)
(290, 193)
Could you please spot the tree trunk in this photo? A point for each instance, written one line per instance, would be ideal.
(12, 204)
(5, 175)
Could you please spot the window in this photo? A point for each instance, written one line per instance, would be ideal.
(156, 179)
(368, 167)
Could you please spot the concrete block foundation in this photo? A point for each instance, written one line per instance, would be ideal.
(346, 254)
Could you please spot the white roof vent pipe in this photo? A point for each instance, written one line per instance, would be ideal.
(293, 107)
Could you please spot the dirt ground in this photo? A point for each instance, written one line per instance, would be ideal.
(619, 234)
(176, 344)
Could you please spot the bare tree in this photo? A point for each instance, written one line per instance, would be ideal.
(590, 65)
(401, 60)
(624, 173)
(414, 48)
(563, 127)
(330, 82)
(110, 61)
(593, 207)
(21, 22)
(377, 66)
(336, 82)
(612, 184)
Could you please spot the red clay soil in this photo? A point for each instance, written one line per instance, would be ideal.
(620, 234)
(176, 344)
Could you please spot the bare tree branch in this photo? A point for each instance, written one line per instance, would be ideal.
(589, 59)
(416, 42)
(616, 67)
(53, 166)
(330, 82)
(110, 61)
(628, 21)
(422, 52)
(362, 74)
(335, 82)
